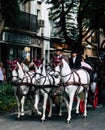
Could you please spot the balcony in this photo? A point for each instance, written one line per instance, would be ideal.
(26, 22)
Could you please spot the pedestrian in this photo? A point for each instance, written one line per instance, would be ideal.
(2, 73)
(75, 60)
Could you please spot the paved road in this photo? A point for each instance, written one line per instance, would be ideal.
(95, 121)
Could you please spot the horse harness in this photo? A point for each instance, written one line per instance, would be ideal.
(74, 71)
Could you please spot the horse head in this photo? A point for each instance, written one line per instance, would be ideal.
(57, 63)
(38, 65)
(13, 68)
(13, 64)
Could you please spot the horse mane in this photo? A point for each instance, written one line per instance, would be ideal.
(66, 65)
(21, 73)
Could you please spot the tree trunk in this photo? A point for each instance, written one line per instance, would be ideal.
(1, 25)
(2, 21)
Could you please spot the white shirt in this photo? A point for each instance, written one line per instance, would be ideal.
(74, 59)
(1, 75)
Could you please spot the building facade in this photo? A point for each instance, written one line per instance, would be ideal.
(29, 37)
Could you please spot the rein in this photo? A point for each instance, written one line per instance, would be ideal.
(44, 86)
(72, 82)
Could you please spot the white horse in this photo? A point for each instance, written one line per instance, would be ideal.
(74, 82)
(48, 80)
(23, 83)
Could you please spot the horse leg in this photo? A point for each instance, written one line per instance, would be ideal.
(17, 101)
(71, 98)
(61, 98)
(78, 100)
(50, 110)
(85, 103)
(78, 104)
(44, 106)
(60, 110)
(36, 102)
(22, 105)
(18, 107)
(31, 105)
(66, 101)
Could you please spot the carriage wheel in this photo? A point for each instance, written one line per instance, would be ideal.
(81, 107)
(95, 98)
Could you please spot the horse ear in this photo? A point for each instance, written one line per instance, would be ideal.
(16, 59)
(42, 60)
(54, 58)
(34, 60)
(9, 62)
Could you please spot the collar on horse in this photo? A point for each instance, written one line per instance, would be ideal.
(74, 82)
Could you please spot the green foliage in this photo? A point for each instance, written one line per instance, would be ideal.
(94, 14)
(7, 98)
(63, 15)
(10, 10)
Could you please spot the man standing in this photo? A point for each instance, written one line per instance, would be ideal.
(58, 52)
(75, 60)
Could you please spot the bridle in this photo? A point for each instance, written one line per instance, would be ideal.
(58, 62)
(13, 66)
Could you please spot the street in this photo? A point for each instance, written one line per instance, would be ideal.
(94, 121)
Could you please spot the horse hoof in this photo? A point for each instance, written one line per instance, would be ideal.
(42, 121)
(84, 117)
(18, 118)
(68, 121)
(77, 114)
(39, 113)
(22, 115)
(49, 116)
(60, 115)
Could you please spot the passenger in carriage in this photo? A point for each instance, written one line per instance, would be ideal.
(75, 60)
(78, 62)
(85, 65)
(58, 52)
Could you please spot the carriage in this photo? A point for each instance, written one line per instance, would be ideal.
(54, 80)
(93, 95)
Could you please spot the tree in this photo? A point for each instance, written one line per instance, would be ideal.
(90, 17)
(9, 11)
(63, 14)
(92, 14)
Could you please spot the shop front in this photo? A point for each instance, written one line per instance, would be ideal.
(20, 46)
